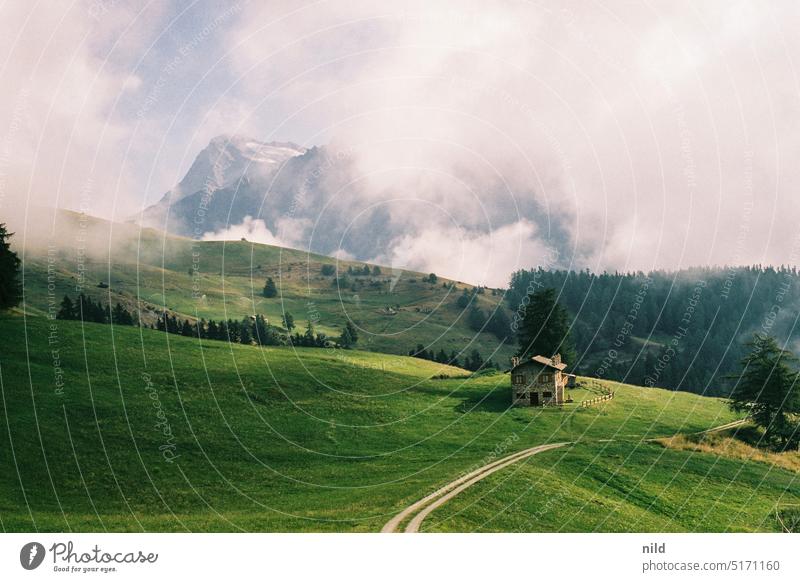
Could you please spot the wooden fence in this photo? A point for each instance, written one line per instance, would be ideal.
(597, 400)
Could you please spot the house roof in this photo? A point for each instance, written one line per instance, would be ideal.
(544, 361)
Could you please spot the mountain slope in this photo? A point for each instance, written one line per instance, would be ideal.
(148, 272)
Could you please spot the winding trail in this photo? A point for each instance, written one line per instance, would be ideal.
(419, 511)
(416, 513)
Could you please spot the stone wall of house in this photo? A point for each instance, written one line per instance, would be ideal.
(537, 379)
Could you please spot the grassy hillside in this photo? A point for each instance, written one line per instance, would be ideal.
(624, 487)
(149, 271)
(158, 432)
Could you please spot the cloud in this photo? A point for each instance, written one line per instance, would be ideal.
(654, 137)
(480, 258)
(253, 230)
(62, 143)
(626, 136)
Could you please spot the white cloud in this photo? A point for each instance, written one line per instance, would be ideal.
(644, 131)
(480, 258)
(251, 229)
(655, 136)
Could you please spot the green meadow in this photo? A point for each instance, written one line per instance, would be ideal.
(127, 429)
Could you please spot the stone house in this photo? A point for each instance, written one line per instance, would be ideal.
(538, 381)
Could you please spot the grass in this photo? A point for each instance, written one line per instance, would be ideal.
(624, 486)
(164, 433)
(149, 271)
(733, 444)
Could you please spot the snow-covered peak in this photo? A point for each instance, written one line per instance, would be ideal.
(229, 158)
(272, 152)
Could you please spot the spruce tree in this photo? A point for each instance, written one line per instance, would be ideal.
(10, 287)
(544, 329)
(67, 309)
(767, 389)
(309, 339)
(270, 289)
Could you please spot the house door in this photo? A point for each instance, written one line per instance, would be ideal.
(534, 399)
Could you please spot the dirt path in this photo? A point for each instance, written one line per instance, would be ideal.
(416, 513)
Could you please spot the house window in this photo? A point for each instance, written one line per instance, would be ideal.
(547, 394)
(545, 378)
(518, 379)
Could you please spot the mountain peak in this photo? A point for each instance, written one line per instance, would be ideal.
(226, 160)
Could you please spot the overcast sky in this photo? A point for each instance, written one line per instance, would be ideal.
(647, 136)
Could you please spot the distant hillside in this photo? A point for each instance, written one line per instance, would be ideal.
(150, 272)
(683, 330)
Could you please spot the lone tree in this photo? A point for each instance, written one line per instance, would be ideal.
(270, 290)
(67, 309)
(349, 335)
(10, 288)
(288, 321)
(767, 389)
(544, 329)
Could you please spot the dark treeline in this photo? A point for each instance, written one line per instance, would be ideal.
(83, 308)
(249, 330)
(473, 361)
(698, 320)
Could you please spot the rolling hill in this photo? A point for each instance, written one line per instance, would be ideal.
(150, 272)
(128, 429)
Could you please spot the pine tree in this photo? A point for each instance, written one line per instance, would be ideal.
(212, 331)
(453, 360)
(349, 335)
(261, 333)
(245, 335)
(499, 324)
(474, 361)
(67, 309)
(10, 287)
(270, 289)
(463, 299)
(288, 321)
(544, 329)
(309, 339)
(476, 318)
